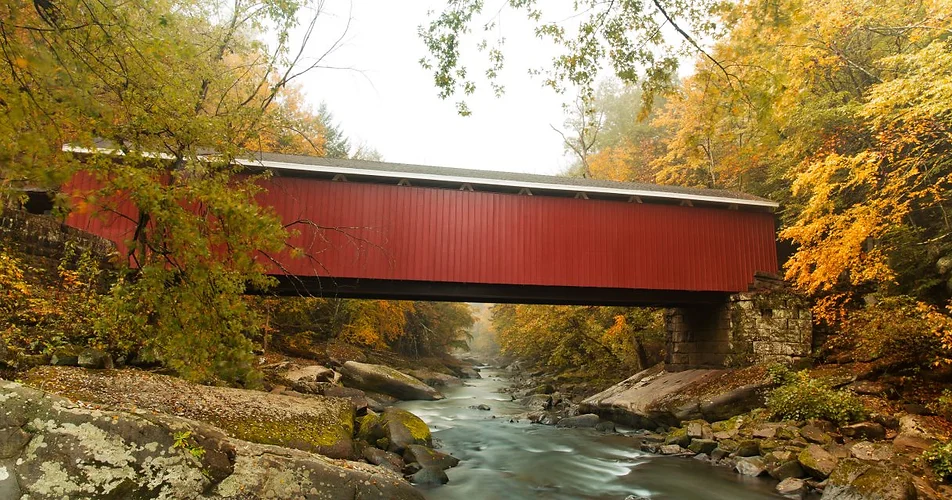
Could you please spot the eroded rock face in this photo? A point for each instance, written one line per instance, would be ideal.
(71, 451)
(386, 380)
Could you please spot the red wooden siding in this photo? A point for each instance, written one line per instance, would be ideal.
(427, 234)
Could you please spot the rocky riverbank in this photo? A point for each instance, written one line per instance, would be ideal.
(53, 448)
(718, 416)
(866, 460)
(225, 442)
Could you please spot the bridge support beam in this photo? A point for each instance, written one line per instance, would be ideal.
(762, 326)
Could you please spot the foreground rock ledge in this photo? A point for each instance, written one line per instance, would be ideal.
(53, 448)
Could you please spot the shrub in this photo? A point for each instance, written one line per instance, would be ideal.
(943, 405)
(939, 457)
(898, 332)
(803, 397)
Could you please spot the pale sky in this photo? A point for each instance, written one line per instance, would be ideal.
(389, 102)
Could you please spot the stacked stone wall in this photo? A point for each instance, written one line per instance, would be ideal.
(47, 237)
(763, 326)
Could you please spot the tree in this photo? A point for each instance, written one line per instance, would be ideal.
(631, 37)
(165, 82)
(627, 141)
(607, 341)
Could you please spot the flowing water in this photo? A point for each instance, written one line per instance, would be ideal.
(504, 460)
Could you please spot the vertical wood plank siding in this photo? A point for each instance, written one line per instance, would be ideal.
(425, 234)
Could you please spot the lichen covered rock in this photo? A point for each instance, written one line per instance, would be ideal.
(316, 424)
(72, 451)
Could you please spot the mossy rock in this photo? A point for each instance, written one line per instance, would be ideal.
(678, 436)
(853, 479)
(705, 446)
(394, 430)
(817, 462)
(331, 435)
(728, 425)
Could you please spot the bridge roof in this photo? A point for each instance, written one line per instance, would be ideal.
(304, 165)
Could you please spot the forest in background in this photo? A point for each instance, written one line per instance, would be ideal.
(840, 111)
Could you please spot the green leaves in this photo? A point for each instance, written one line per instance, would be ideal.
(626, 35)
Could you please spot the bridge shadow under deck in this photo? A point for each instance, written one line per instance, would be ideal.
(354, 288)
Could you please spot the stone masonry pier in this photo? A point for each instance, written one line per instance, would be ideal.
(767, 324)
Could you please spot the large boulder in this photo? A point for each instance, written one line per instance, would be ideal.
(654, 397)
(434, 378)
(386, 380)
(73, 451)
(394, 430)
(855, 480)
(310, 379)
(313, 423)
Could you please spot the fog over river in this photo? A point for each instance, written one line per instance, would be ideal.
(504, 460)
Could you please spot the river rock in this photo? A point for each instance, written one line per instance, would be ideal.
(913, 434)
(815, 434)
(750, 466)
(77, 452)
(65, 356)
(428, 457)
(537, 402)
(468, 372)
(672, 449)
(792, 487)
(705, 446)
(817, 462)
(748, 448)
(864, 450)
(383, 458)
(312, 373)
(766, 431)
(787, 469)
(698, 429)
(605, 426)
(864, 430)
(94, 358)
(869, 387)
(854, 480)
(357, 397)
(587, 420)
(386, 380)
(394, 430)
(429, 476)
(435, 378)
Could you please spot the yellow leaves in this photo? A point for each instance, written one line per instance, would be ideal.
(375, 323)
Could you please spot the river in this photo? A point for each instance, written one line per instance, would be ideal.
(505, 460)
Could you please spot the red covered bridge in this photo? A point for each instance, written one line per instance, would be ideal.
(417, 232)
